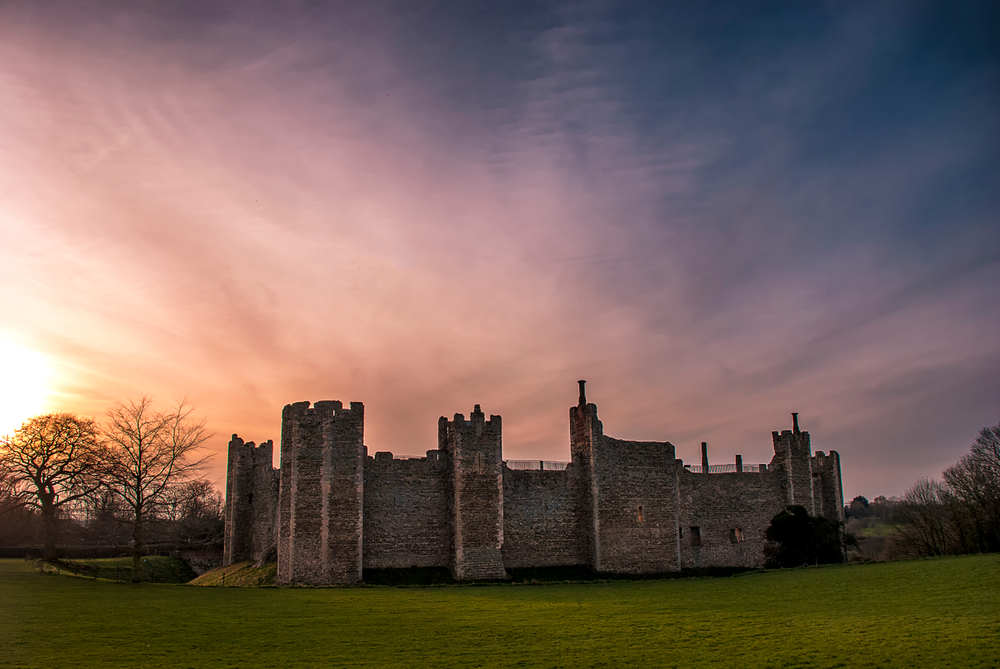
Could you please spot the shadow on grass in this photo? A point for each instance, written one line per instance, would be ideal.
(155, 568)
(429, 576)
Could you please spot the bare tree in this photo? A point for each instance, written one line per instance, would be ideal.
(16, 519)
(10, 497)
(50, 461)
(925, 520)
(149, 453)
(193, 515)
(106, 517)
(974, 482)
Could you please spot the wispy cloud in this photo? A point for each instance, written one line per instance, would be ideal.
(717, 218)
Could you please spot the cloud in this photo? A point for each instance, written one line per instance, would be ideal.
(431, 208)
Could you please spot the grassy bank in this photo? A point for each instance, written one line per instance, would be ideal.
(906, 614)
(239, 575)
(155, 569)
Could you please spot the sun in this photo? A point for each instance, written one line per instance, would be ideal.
(24, 385)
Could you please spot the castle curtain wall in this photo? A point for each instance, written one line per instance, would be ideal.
(407, 519)
(636, 506)
(731, 512)
(540, 515)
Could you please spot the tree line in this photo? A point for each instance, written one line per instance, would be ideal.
(958, 514)
(134, 478)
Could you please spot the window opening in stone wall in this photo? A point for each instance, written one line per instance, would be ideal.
(250, 498)
(695, 536)
(736, 535)
(479, 463)
(680, 532)
(640, 514)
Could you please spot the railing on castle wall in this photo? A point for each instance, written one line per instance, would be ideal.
(545, 465)
(548, 465)
(721, 469)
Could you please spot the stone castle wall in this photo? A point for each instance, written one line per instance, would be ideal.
(723, 517)
(829, 495)
(407, 521)
(474, 448)
(321, 502)
(540, 518)
(251, 502)
(636, 487)
(618, 506)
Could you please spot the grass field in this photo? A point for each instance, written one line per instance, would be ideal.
(926, 613)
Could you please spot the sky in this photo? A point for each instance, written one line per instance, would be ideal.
(717, 215)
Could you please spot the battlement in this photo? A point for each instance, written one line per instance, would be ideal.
(260, 456)
(325, 409)
(477, 417)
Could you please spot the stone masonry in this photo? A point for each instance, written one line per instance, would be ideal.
(627, 507)
(251, 502)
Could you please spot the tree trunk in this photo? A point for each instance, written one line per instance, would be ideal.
(137, 548)
(49, 530)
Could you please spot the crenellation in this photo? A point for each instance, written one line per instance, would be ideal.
(617, 506)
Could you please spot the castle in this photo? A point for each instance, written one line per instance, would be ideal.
(623, 507)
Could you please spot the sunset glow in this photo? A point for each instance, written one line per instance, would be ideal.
(715, 217)
(25, 386)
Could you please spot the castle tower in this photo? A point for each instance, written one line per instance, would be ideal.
(474, 447)
(828, 490)
(792, 454)
(628, 489)
(586, 430)
(251, 501)
(321, 501)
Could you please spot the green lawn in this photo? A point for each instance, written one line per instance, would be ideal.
(926, 613)
(879, 530)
